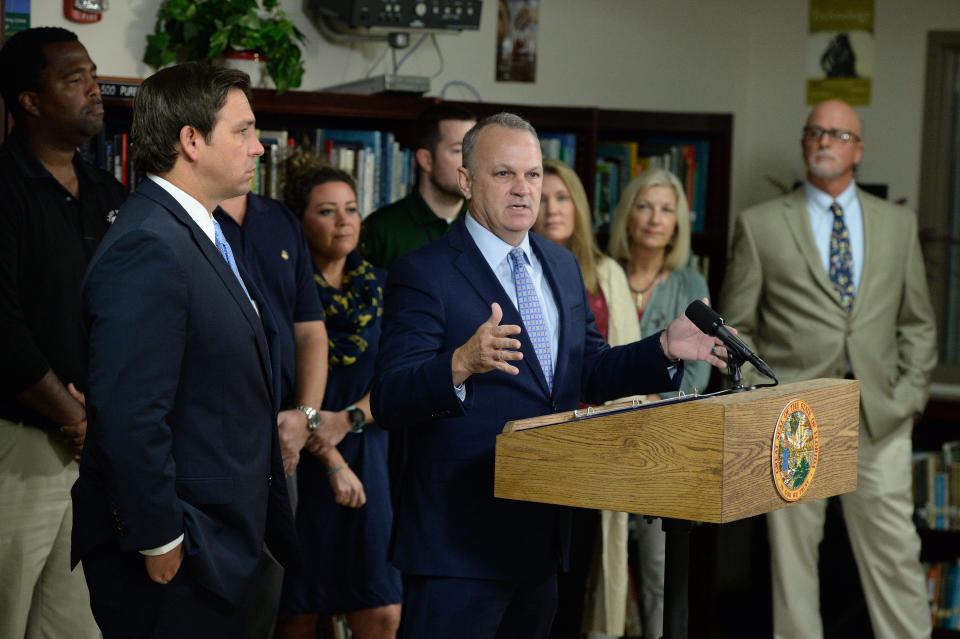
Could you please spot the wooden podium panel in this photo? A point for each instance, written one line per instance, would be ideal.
(707, 459)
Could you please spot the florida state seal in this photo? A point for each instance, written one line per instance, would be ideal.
(796, 449)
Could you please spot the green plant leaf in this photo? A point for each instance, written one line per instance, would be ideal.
(204, 29)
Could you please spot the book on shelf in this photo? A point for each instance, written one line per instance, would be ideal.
(619, 162)
(936, 487)
(604, 201)
(383, 170)
(559, 146)
(113, 153)
(688, 159)
(943, 592)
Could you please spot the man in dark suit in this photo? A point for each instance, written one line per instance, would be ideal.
(475, 566)
(181, 477)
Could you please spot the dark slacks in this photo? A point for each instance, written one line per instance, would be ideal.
(444, 607)
(128, 605)
(572, 584)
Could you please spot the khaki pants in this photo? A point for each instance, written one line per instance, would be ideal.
(39, 596)
(878, 516)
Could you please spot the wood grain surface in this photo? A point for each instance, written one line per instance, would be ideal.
(707, 459)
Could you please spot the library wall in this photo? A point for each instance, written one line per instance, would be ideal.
(745, 57)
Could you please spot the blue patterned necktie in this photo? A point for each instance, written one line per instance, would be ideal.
(532, 314)
(841, 259)
(224, 247)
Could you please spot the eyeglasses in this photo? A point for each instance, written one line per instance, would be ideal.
(812, 133)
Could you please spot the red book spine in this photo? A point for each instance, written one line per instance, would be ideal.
(124, 146)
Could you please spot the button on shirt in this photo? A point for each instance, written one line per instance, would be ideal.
(821, 223)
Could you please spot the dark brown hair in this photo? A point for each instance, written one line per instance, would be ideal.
(189, 94)
(302, 180)
(428, 124)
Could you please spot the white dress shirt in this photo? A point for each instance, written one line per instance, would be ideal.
(197, 212)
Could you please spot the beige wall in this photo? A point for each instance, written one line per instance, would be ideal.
(740, 56)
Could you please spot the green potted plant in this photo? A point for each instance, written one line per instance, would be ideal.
(212, 29)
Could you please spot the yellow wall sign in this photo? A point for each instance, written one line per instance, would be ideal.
(796, 450)
(840, 51)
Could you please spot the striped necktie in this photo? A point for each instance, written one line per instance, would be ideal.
(532, 314)
(841, 259)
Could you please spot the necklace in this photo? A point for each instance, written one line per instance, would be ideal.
(640, 293)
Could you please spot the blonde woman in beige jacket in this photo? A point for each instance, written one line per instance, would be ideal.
(593, 594)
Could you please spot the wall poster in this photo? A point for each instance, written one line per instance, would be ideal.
(840, 51)
(517, 24)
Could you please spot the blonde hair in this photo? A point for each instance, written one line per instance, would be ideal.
(678, 250)
(581, 243)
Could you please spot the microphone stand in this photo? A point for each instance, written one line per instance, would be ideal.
(733, 365)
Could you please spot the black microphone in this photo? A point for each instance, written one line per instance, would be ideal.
(707, 320)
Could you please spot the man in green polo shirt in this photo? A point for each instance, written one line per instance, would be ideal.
(427, 212)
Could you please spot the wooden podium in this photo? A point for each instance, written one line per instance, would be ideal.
(703, 459)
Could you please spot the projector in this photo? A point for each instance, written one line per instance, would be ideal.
(392, 15)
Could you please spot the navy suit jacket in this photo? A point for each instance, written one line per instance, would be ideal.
(448, 522)
(182, 402)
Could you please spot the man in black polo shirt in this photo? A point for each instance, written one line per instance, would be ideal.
(54, 209)
(427, 212)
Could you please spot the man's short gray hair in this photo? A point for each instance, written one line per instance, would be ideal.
(504, 119)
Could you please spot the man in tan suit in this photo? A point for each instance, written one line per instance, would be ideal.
(828, 281)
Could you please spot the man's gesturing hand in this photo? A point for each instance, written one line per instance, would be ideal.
(490, 348)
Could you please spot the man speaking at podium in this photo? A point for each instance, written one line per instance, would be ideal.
(487, 324)
(828, 281)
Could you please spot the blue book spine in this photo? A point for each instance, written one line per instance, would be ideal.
(940, 501)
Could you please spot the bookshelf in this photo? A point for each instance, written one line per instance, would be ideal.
(940, 423)
(307, 110)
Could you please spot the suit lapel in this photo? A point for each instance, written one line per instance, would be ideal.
(476, 271)
(156, 193)
(871, 230)
(798, 221)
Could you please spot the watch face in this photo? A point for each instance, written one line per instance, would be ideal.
(357, 419)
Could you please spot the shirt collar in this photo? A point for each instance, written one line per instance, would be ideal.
(493, 249)
(821, 201)
(32, 167)
(197, 212)
(423, 215)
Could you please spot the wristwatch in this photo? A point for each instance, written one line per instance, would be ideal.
(357, 420)
(313, 416)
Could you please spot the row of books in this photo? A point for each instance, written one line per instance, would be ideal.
(112, 153)
(268, 177)
(943, 590)
(620, 162)
(936, 487)
(384, 171)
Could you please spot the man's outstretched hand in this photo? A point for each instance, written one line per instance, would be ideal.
(683, 340)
